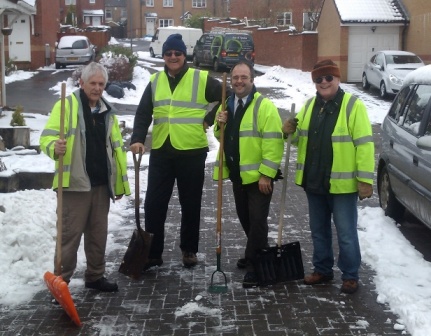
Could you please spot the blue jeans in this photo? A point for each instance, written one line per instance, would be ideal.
(343, 208)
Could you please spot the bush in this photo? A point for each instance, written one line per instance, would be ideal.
(17, 117)
(119, 61)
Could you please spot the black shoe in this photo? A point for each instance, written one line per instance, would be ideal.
(189, 259)
(241, 263)
(152, 262)
(250, 280)
(102, 285)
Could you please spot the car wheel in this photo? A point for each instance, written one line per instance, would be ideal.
(382, 92)
(195, 60)
(152, 52)
(388, 202)
(57, 65)
(216, 65)
(365, 84)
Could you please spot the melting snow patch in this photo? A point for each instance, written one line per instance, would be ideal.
(193, 307)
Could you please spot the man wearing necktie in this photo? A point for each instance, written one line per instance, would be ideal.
(253, 151)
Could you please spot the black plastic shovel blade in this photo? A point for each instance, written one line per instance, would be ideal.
(289, 265)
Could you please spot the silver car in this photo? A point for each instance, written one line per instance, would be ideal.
(74, 50)
(387, 69)
(404, 168)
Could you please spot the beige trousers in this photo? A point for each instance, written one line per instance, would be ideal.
(84, 213)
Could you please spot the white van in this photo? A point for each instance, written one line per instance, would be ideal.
(190, 36)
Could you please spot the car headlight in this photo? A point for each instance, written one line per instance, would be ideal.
(395, 80)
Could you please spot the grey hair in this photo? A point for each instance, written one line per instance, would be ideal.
(92, 69)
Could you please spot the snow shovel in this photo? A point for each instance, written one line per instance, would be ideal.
(139, 246)
(281, 263)
(213, 288)
(55, 283)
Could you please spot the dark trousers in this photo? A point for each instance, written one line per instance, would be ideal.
(189, 173)
(252, 208)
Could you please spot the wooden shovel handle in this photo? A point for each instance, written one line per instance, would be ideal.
(220, 168)
(284, 188)
(60, 183)
(137, 164)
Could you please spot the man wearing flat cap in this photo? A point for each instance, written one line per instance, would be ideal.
(335, 165)
(175, 101)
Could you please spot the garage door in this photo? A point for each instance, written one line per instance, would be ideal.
(364, 43)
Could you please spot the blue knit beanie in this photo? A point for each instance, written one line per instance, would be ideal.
(174, 42)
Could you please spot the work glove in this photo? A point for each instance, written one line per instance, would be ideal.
(365, 190)
(289, 126)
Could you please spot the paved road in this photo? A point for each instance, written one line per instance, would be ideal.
(157, 304)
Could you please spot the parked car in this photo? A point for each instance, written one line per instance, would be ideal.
(387, 69)
(223, 49)
(74, 50)
(404, 167)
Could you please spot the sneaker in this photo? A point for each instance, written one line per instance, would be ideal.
(349, 286)
(241, 263)
(250, 280)
(102, 285)
(316, 278)
(152, 262)
(189, 259)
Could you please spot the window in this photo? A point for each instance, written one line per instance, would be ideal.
(150, 3)
(166, 22)
(199, 3)
(309, 20)
(284, 19)
(70, 2)
(92, 1)
(108, 15)
(398, 103)
(416, 109)
(168, 3)
(123, 12)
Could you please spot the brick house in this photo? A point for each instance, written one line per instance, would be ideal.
(147, 15)
(350, 32)
(281, 13)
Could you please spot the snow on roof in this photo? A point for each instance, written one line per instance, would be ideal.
(31, 2)
(364, 11)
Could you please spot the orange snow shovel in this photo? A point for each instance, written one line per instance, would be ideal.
(55, 283)
(220, 288)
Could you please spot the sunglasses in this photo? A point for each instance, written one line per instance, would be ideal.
(176, 53)
(328, 78)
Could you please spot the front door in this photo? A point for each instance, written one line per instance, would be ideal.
(150, 27)
(19, 40)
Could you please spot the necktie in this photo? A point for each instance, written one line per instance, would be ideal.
(239, 107)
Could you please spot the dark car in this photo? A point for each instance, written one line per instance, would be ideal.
(386, 70)
(223, 49)
(404, 168)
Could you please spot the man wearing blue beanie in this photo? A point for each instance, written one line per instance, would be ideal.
(176, 101)
(174, 42)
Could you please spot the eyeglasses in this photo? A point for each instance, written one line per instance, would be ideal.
(176, 53)
(237, 78)
(328, 78)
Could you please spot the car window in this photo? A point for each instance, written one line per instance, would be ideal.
(398, 103)
(416, 108)
(379, 59)
(80, 44)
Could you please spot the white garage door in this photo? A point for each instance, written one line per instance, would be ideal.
(19, 40)
(364, 43)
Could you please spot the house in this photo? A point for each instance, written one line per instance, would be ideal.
(82, 13)
(297, 15)
(351, 31)
(15, 23)
(145, 16)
